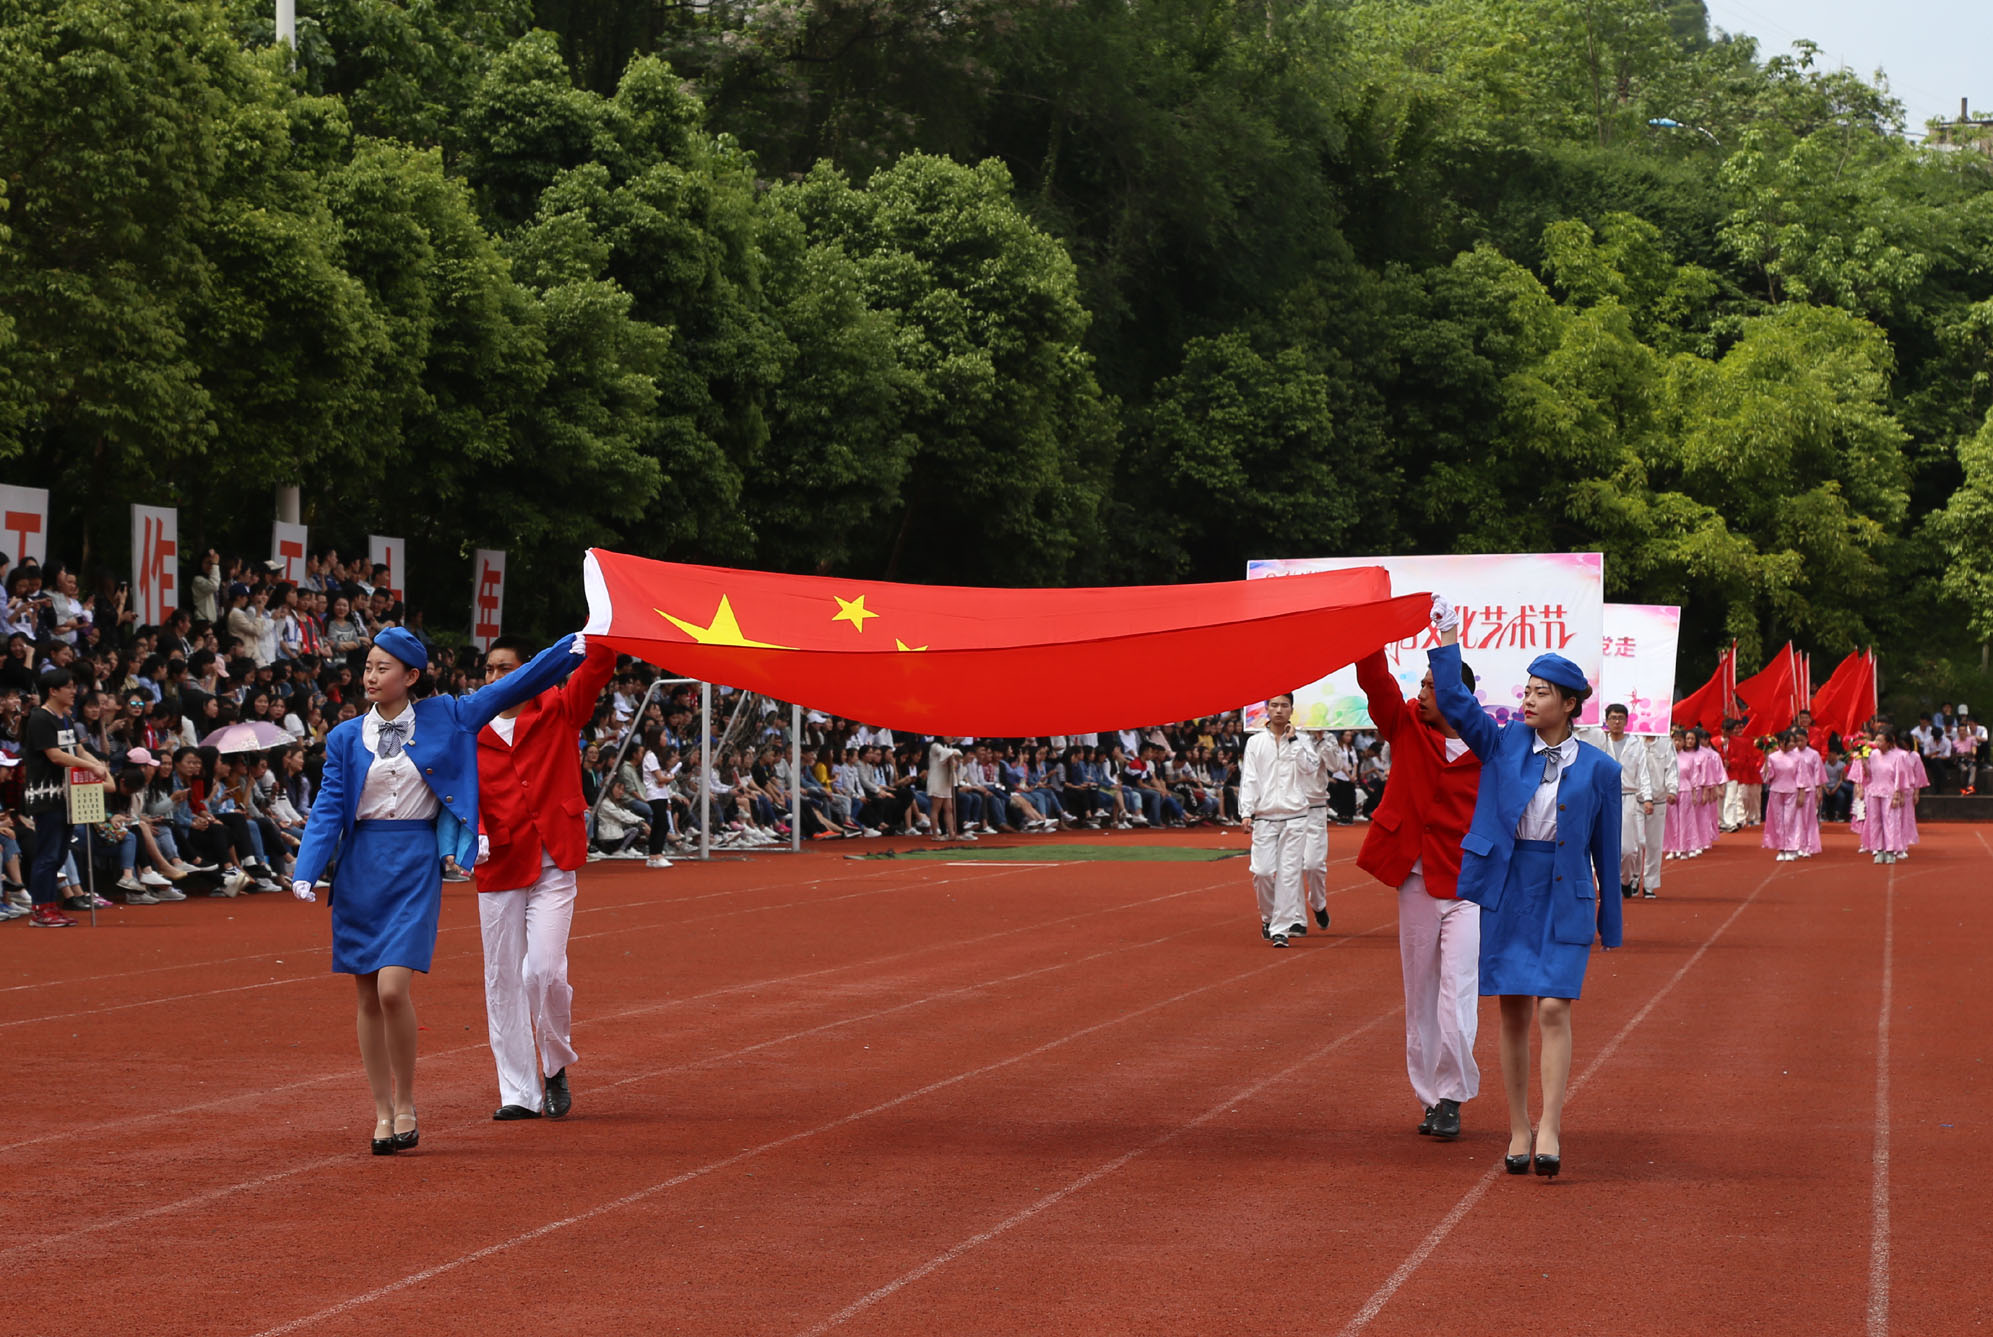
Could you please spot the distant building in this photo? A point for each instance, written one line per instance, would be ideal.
(1965, 133)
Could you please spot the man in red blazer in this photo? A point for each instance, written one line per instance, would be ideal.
(531, 810)
(1414, 845)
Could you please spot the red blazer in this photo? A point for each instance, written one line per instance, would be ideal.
(529, 794)
(1742, 761)
(1429, 800)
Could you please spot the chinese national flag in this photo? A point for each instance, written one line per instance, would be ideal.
(996, 663)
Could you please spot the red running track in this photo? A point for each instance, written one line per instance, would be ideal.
(821, 1096)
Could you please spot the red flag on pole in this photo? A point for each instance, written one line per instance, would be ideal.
(995, 662)
(1770, 693)
(1846, 700)
(1708, 705)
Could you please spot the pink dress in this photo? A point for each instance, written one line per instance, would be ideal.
(1858, 811)
(1919, 778)
(1709, 772)
(1680, 819)
(1887, 775)
(1813, 778)
(1782, 785)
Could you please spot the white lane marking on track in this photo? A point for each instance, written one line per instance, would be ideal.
(645, 1009)
(1455, 1215)
(651, 1191)
(1085, 1181)
(1878, 1234)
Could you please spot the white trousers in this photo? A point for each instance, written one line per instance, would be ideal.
(526, 992)
(1280, 848)
(1632, 826)
(1742, 804)
(1315, 859)
(1440, 944)
(1653, 830)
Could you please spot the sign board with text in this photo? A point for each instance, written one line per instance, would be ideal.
(1513, 607)
(487, 596)
(155, 563)
(391, 553)
(24, 524)
(1639, 659)
(287, 545)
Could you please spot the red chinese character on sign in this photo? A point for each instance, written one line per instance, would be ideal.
(290, 551)
(156, 572)
(488, 582)
(1624, 648)
(1492, 618)
(1556, 634)
(1521, 632)
(19, 525)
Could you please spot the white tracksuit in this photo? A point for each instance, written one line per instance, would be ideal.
(1315, 850)
(526, 992)
(1273, 796)
(1664, 776)
(1439, 947)
(1635, 790)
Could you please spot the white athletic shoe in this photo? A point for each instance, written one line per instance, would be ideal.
(151, 878)
(129, 883)
(657, 861)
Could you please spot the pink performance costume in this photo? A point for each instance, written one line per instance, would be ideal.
(1705, 811)
(1813, 778)
(1783, 783)
(1916, 778)
(1886, 796)
(1680, 818)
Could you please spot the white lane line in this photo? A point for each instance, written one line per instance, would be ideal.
(1455, 1215)
(1878, 1233)
(1085, 1181)
(643, 1009)
(640, 1195)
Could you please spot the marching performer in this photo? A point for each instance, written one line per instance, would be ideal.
(1887, 793)
(1743, 790)
(1636, 791)
(1414, 845)
(399, 796)
(1784, 777)
(1273, 801)
(1315, 853)
(1536, 858)
(1813, 778)
(1664, 780)
(529, 786)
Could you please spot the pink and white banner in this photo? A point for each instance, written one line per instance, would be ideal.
(1640, 641)
(393, 554)
(24, 524)
(487, 596)
(287, 545)
(1513, 607)
(155, 563)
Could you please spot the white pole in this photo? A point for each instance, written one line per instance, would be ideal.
(287, 33)
(796, 778)
(705, 770)
(287, 505)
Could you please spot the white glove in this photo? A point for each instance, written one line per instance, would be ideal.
(1445, 617)
(483, 850)
(579, 647)
(303, 890)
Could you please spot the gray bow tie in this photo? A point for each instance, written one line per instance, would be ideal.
(393, 733)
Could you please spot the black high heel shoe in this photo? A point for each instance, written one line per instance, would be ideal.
(406, 1141)
(385, 1146)
(1519, 1165)
(1548, 1166)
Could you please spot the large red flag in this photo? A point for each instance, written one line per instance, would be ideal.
(1772, 695)
(1846, 700)
(995, 662)
(1709, 704)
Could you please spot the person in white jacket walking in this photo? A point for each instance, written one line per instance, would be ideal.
(1275, 776)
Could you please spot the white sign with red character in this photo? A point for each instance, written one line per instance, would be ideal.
(391, 554)
(155, 563)
(24, 524)
(1513, 607)
(287, 545)
(1639, 672)
(487, 596)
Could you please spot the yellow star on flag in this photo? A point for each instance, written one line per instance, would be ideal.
(853, 611)
(725, 629)
(904, 646)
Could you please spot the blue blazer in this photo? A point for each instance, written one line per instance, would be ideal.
(444, 746)
(1586, 899)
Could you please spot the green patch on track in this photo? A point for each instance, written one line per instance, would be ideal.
(964, 853)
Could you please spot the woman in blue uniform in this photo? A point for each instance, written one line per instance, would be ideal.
(1543, 842)
(399, 796)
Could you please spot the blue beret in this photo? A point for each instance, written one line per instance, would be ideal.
(1559, 672)
(401, 643)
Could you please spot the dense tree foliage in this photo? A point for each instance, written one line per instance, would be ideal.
(1032, 291)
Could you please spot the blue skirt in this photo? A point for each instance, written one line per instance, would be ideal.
(386, 897)
(1519, 955)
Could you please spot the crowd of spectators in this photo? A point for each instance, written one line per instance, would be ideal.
(211, 729)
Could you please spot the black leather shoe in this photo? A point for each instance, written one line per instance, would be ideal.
(1446, 1119)
(1548, 1166)
(1519, 1165)
(408, 1140)
(1425, 1124)
(559, 1100)
(1321, 918)
(507, 1113)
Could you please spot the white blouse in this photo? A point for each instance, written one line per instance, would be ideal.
(1539, 817)
(395, 789)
